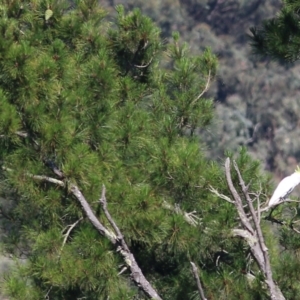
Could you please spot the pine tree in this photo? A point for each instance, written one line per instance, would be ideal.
(279, 37)
(99, 152)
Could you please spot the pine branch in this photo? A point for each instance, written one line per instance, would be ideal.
(118, 241)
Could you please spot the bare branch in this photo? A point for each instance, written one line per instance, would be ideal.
(48, 179)
(200, 289)
(205, 89)
(22, 134)
(40, 177)
(136, 273)
(123, 270)
(237, 198)
(190, 217)
(224, 197)
(66, 235)
(19, 133)
(255, 130)
(246, 235)
(258, 249)
(253, 213)
(107, 214)
(91, 216)
(144, 66)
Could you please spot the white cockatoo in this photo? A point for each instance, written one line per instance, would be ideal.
(284, 188)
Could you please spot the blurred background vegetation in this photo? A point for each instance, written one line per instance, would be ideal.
(256, 100)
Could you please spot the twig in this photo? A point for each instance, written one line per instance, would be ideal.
(48, 292)
(107, 214)
(144, 66)
(123, 270)
(19, 133)
(48, 179)
(224, 197)
(190, 217)
(66, 235)
(22, 134)
(283, 223)
(199, 286)
(205, 89)
(40, 177)
(255, 130)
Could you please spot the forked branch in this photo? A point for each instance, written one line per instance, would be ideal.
(116, 237)
(251, 231)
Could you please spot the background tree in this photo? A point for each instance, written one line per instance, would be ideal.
(279, 37)
(86, 103)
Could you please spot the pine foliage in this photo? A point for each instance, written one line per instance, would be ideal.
(279, 37)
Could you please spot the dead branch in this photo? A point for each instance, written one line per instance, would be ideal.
(19, 133)
(205, 88)
(22, 134)
(237, 199)
(267, 266)
(190, 217)
(40, 177)
(48, 179)
(118, 241)
(199, 286)
(224, 197)
(91, 216)
(66, 235)
(253, 236)
(136, 273)
(146, 65)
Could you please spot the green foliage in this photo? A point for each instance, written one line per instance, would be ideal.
(95, 102)
(279, 37)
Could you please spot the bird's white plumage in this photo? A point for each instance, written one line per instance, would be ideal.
(284, 188)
